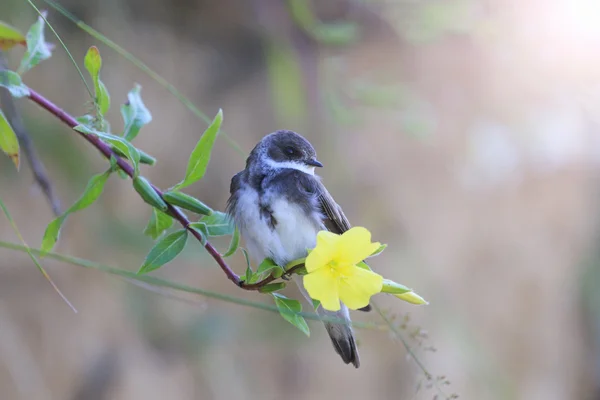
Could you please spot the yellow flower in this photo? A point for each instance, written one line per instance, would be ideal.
(333, 274)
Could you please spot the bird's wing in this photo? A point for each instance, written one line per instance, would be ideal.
(334, 220)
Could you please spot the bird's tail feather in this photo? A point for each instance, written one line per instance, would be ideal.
(341, 335)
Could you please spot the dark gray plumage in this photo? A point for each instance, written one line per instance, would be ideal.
(279, 205)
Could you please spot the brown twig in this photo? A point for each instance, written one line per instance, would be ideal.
(128, 169)
(36, 165)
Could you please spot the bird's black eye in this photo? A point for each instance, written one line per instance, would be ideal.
(290, 151)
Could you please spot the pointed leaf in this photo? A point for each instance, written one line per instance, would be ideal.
(10, 37)
(102, 97)
(164, 251)
(268, 266)
(12, 81)
(159, 222)
(37, 48)
(135, 114)
(218, 224)
(289, 310)
(248, 276)
(9, 144)
(200, 156)
(233, 245)
(91, 193)
(126, 148)
(272, 287)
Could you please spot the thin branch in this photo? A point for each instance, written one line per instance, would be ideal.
(128, 169)
(37, 166)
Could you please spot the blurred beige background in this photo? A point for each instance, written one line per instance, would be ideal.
(462, 133)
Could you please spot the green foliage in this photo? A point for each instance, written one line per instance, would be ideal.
(12, 81)
(93, 63)
(233, 244)
(10, 37)
(164, 251)
(91, 193)
(289, 310)
(216, 224)
(148, 194)
(124, 146)
(145, 158)
(200, 156)
(9, 144)
(187, 202)
(272, 287)
(159, 222)
(134, 113)
(249, 273)
(337, 33)
(266, 268)
(37, 48)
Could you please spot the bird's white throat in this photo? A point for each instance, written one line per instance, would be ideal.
(307, 169)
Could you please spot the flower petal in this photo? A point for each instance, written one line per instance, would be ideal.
(322, 285)
(355, 245)
(327, 245)
(358, 287)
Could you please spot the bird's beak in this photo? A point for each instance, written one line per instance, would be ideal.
(313, 162)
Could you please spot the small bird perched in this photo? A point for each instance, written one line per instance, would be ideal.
(279, 205)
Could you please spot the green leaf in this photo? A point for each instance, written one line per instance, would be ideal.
(379, 250)
(218, 224)
(135, 114)
(37, 48)
(248, 276)
(121, 144)
(200, 227)
(103, 97)
(145, 158)
(10, 37)
(87, 120)
(233, 244)
(164, 251)
(158, 223)
(268, 266)
(272, 287)
(9, 144)
(315, 304)
(289, 310)
(91, 193)
(12, 81)
(187, 202)
(200, 156)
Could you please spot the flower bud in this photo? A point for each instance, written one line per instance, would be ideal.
(187, 202)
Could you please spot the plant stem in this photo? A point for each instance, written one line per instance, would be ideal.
(128, 169)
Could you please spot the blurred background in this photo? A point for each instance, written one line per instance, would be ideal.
(463, 133)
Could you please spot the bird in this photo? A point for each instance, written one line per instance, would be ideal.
(279, 204)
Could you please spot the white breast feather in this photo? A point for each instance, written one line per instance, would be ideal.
(294, 232)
